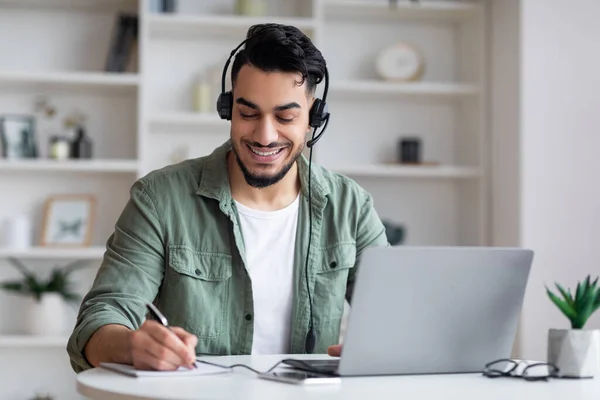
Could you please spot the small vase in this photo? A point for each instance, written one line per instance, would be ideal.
(47, 316)
(81, 147)
(576, 352)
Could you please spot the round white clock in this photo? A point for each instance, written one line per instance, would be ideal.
(401, 62)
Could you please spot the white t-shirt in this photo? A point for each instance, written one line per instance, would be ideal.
(270, 238)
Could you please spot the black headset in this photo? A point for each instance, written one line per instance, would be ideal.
(318, 112)
(318, 116)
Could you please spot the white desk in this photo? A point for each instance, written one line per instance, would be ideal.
(242, 384)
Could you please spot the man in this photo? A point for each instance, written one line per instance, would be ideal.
(219, 243)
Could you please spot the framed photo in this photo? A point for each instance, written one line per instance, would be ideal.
(68, 220)
(17, 136)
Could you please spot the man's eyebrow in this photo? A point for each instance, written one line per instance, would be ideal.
(287, 106)
(247, 103)
(283, 107)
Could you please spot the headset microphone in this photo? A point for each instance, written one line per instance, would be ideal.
(318, 116)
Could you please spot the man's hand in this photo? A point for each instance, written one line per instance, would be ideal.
(335, 350)
(157, 348)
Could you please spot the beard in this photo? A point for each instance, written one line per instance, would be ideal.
(263, 181)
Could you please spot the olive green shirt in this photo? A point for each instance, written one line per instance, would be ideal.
(178, 243)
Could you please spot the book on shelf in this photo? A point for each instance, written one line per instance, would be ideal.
(123, 42)
(162, 6)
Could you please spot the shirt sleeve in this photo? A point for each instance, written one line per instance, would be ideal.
(370, 233)
(129, 275)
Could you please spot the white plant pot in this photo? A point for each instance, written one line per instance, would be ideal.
(46, 317)
(576, 352)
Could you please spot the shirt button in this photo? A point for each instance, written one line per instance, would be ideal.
(197, 272)
(248, 317)
(333, 264)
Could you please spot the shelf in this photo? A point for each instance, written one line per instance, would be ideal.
(33, 341)
(406, 171)
(188, 119)
(440, 10)
(221, 24)
(77, 4)
(49, 253)
(409, 88)
(71, 80)
(48, 165)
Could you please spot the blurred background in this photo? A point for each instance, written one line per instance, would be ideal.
(471, 122)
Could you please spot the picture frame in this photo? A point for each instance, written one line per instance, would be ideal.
(68, 220)
(17, 136)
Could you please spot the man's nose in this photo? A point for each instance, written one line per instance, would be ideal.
(266, 131)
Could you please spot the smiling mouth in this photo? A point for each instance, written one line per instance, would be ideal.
(266, 153)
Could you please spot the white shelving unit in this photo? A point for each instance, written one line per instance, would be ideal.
(61, 56)
(107, 166)
(50, 253)
(425, 11)
(434, 89)
(35, 342)
(143, 119)
(393, 171)
(188, 118)
(230, 25)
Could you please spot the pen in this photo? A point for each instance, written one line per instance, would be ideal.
(161, 318)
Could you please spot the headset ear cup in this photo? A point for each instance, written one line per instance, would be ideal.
(225, 105)
(318, 113)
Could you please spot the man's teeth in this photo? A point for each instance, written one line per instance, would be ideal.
(260, 153)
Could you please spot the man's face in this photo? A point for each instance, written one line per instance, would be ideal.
(268, 124)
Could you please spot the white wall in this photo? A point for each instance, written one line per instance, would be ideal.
(504, 119)
(504, 44)
(560, 120)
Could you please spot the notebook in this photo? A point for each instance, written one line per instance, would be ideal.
(201, 369)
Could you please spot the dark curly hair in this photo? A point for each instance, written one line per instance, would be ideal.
(275, 47)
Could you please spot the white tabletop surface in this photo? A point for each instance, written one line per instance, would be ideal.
(99, 383)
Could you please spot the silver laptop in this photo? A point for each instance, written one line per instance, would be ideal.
(430, 310)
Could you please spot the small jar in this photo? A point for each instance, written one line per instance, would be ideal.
(254, 8)
(60, 147)
(202, 95)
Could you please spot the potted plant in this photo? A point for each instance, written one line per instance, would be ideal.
(46, 297)
(576, 351)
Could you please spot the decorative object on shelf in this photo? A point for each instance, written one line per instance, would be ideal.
(17, 136)
(395, 233)
(401, 62)
(81, 144)
(17, 233)
(576, 351)
(168, 6)
(68, 220)
(409, 150)
(162, 6)
(203, 101)
(46, 297)
(124, 38)
(254, 8)
(60, 147)
(43, 105)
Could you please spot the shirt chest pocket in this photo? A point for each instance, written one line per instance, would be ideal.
(198, 290)
(331, 275)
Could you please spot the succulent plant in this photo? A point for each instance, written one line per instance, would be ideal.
(57, 282)
(579, 308)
